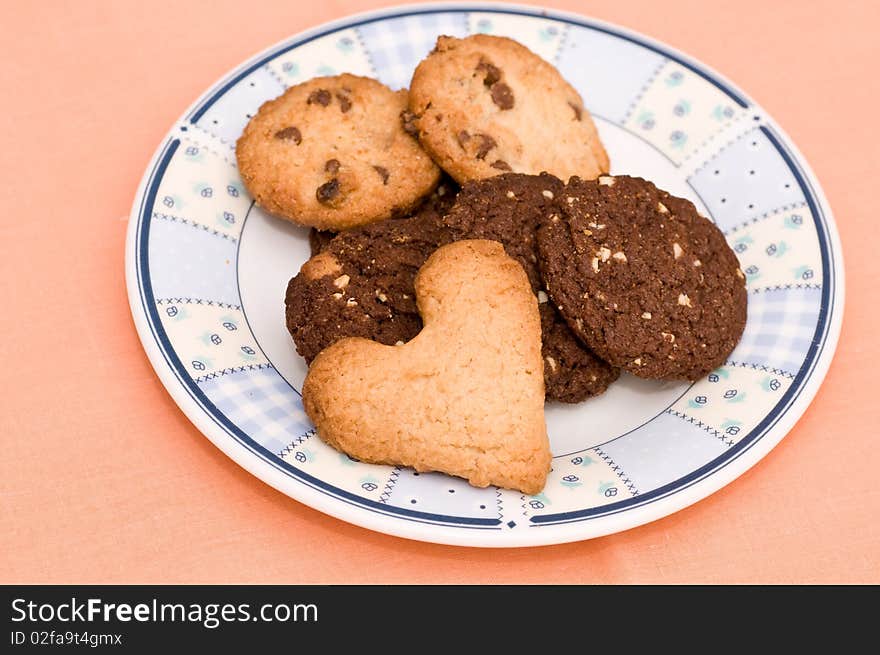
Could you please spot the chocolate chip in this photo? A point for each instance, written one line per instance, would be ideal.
(502, 95)
(327, 191)
(578, 111)
(289, 134)
(321, 96)
(332, 166)
(383, 173)
(344, 102)
(501, 165)
(463, 137)
(493, 73)
(408, 121)
(486, 144)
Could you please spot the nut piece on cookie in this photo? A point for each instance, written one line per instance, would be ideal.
(465, 396)
(485, 104)
(331, 153)
(655, 291)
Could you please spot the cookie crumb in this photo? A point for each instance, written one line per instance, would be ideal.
(398, 343)
(620, 256)
(341, 282)
(697, 262)
(667, 336)
(547, 193)
(351, 302)
(646, 315)
(676, 250)
(595, 264)
(542, 297)
(662, 208)
(551, 362)
(604, 254)
(637, 361)
(511, 194)
(606, 180)
(338, 296)
(381, 296)
(684, 300)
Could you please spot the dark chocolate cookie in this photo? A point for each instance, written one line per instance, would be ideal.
(639, 275)
(360, 284)
(509, 208)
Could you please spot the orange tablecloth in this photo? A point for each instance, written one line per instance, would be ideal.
(103, 479)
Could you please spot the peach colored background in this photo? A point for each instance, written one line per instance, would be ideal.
(103, 479)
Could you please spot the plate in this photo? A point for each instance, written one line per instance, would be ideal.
(206, 273)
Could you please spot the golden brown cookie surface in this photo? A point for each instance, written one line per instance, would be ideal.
(331, 153)
(465, 396)
(484, 105)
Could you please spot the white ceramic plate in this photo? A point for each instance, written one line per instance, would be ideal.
(207, 271)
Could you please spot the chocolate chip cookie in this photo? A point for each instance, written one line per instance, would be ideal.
(331, 153)
(509, 208)
(484, 105)
(642, 278)
(360, 284)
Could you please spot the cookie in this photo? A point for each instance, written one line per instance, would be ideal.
(331, 153)
(465, 397)
(642, 278)
(362, 281)
(509, 208)
(484, 105)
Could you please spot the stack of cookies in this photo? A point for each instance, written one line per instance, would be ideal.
(408, 294)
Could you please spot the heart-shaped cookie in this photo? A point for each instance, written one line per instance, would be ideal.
(465, 396)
